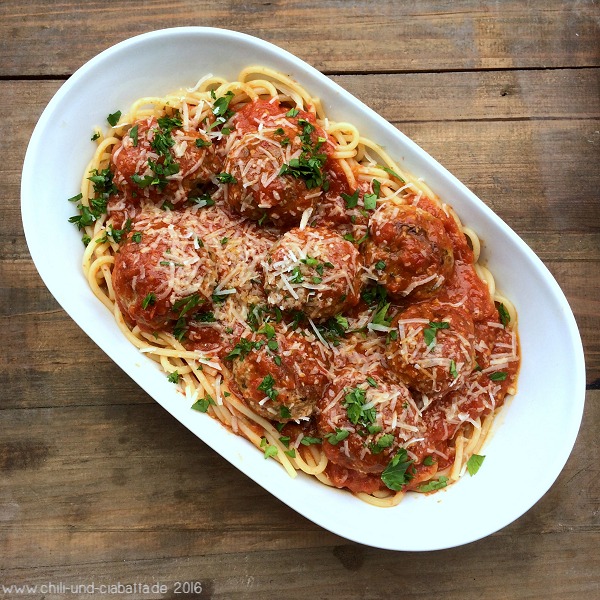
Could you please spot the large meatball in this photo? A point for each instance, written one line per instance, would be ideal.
(313, 270)
(163, 272)
(409, 251)
(365, 419)
(279, 372)
(433, 350)
(275, 173)
(157, 158)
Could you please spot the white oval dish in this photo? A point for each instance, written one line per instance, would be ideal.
(533, 436)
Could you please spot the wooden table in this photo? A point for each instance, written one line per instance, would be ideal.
(100, 485)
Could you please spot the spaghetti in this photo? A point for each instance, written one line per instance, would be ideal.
(298, 285)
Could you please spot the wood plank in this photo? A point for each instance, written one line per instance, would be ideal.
(361, 36)
(479, 95)
(564, 563)
(127, 494)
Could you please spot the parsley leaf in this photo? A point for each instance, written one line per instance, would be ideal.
(202, 404)
(434, 484)
(388, 170)
(266, 386)
(354, 403)
(498, 376)
(351, 201)
(503, 314)
(309, 169)
(113, 118)
(430, 332)
(148, 300)
(453, 370)
(226, 178)
(308, 441)
(370, 201)
(396, 474)
(338, 436)
(385, 441)
(174, 377)
(133, 134)
(474, 463)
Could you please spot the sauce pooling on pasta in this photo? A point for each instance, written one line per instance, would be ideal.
(298, 285)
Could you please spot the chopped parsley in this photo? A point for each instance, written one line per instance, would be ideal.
(167, 123)
(113, 118)
(374, 294)
(206, 317)
(201, 143)
(174, 377)
(474, 463)
(370, 201)
(379, 318)
(266, 386)
(136, 237)
(309, 165)
(268, 449)
(202, 201)
(221, 108)
(385, 441)
(103, 188)
(434, 484)
(96, 136)
(149, 300)
(185, 306)
(309, 169)
(202, 404)
(133, 134)
(354, 403)
(393, 173)
(308, 441)
(296, 276)
(453, 370)
(284, 412)
(498, 376)
(351, 201)
(503, 314)
(338, 436)
(428, 461)
(380, 265)
(334, 329)
(226, 178)
(396, 475)
(430, 332)
(293, 112)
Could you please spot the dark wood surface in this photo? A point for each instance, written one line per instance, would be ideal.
(99, 484)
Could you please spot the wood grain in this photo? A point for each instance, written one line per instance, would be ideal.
(42, 38)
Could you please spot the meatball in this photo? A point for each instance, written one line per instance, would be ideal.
(163, 272)
(276, 173)
(157, 159)
(279, 373)
(409, 250)
(365, 419)
(433, 351)
(313, 270)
